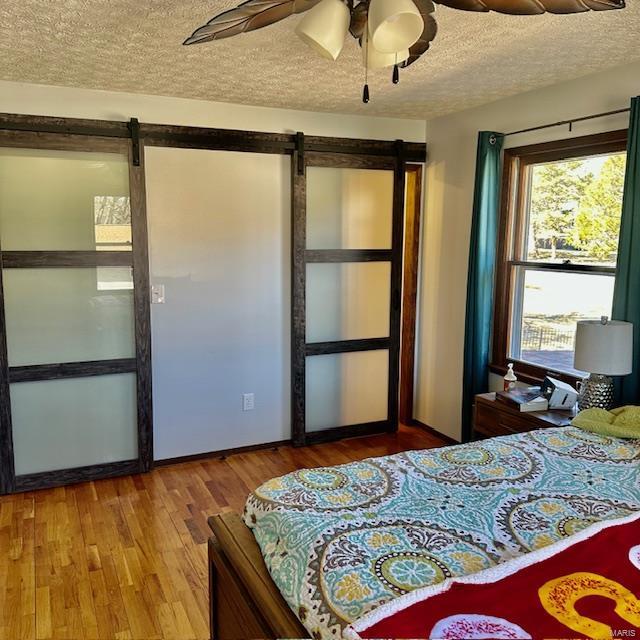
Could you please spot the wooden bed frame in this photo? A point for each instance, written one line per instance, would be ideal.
(244, 600)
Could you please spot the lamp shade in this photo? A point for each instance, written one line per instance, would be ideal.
(394, 25)
(373, 59)
(604, 347)
(324, 27)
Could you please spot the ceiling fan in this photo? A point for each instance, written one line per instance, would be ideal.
(391, 33)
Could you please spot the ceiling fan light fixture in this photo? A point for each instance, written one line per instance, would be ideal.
(374, 59)
(325, 27)
(394, 25)
(397, 32)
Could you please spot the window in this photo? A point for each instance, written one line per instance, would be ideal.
(562, 205)
(112, 215)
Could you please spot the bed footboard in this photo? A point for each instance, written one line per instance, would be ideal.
(244, 600)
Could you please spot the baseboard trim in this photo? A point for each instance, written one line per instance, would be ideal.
(221, 454)
(225, 453)
(426, 427)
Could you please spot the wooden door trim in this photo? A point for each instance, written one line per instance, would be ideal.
(14, 126)
(395, 306)
(348, 255)
(61, 477)
(66, 370)
(360, 160)
(50, 259)
(7, 470)
(411, 263)
(142, 305)
(298, 296)
(346, 346)
(351, 431)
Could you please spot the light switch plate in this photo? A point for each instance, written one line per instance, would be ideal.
(157, 294)
(248, 401)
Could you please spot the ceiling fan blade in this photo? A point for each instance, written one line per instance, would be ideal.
(516, 7)
(533, 7)
(428, 34)
(564, 6)
(464, 5)
(248, 16)
(605, 5)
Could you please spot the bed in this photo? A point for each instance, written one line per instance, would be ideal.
(329, 545)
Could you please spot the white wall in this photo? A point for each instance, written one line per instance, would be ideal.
(219, 241)
(19, 97)
(449, 197)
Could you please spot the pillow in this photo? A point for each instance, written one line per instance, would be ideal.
(623, 422)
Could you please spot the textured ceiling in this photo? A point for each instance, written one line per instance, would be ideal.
(135, 46)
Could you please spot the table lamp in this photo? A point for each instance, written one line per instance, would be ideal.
(604, 348)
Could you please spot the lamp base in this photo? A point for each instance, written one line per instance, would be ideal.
(596, 392)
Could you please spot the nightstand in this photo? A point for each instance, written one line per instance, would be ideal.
(491, 418)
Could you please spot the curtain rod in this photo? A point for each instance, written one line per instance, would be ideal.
(565, 122)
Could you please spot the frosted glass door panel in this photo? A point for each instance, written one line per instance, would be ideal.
(64, 200)
(347, 301)
(346, 389)
(68, 315)
(63, 424)
(349, 208)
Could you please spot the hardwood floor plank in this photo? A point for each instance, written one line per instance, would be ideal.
(126, 558)
(182, 620)
(17, 570)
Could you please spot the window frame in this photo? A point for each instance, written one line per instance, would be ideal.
(511, 229)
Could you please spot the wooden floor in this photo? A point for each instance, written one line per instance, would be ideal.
(126, 558)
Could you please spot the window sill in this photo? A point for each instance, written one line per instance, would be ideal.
(531, 374)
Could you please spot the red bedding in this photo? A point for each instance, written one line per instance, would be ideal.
(587, 586)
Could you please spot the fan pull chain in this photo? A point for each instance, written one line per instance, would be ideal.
(365, 91)
(396, 71)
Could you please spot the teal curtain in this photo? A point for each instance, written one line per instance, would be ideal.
(480, 282)
(626, 296)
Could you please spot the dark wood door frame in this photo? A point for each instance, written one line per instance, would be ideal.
(7, 471)
(411, 264)
(141, 303)
(177, 136)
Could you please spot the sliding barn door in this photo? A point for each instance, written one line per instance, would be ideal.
(347, 268)
(74, 392)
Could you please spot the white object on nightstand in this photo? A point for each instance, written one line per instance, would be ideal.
(559, 394)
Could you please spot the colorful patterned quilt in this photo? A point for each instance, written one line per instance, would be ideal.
(341, 541)
(547, 593)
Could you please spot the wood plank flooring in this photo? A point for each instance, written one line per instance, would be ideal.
(126, 558)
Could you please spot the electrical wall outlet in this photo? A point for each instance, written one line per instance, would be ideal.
(248, 401)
